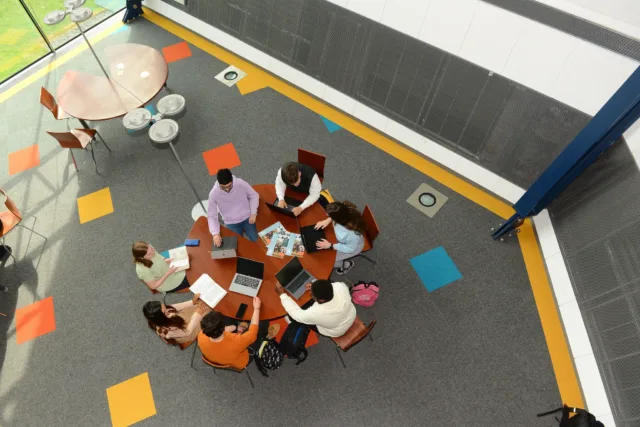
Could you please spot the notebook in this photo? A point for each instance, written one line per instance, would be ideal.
(179, 258)
(210, 292)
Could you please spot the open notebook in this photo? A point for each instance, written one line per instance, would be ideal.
(210, 292)
(179, 258)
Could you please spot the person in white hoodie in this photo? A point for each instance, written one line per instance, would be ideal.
(332, 311)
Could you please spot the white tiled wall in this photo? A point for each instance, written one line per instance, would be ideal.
(406, 16)
(446, 23)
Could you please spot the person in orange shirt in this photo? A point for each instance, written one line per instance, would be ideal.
(228, 348)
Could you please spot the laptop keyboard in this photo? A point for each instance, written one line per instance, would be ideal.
(247, 281)
(298, 282)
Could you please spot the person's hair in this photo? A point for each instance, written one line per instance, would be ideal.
(1, 227)
(212, 324)
(290, 173)
(160, 322)
(347, 215)
(224, 176)
(139, 250)
(322, 290)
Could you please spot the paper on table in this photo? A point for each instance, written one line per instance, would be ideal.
(210, 292)
(179, 258)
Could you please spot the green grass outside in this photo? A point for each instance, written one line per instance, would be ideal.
(20, 42)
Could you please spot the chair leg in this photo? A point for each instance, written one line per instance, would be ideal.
(249, 376)
(368, 259)
(103, 141)
(7, 249)
(93, 155)
(370, 336)
(193, 356)
(340, 357)
(74, 159)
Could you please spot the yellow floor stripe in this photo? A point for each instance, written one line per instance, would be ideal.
(57, 62)
(551, 323)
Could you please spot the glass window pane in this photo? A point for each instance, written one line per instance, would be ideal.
(61, 33)
(20, 41)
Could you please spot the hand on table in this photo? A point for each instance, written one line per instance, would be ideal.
(282, 204)
(168, 260)
(217, 240)
(297, 210)
(321, 225)
(308, 286)
(279, 289)
(252, 219)
(171, 270)
(256, 303)
(323, 244)
(230, 328)
(195, 298)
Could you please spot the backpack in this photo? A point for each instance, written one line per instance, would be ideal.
(581, 419)
(292, 344)
(268, 356)
(365, 294)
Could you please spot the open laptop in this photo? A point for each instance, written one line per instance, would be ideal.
(278, 209)
(226, 250)
(293, 277)
(310, 236)
(290, 201)
(248, 278)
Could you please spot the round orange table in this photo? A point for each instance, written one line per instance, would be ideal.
(318, 264)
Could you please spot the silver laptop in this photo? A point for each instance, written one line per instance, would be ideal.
(293, 277)
(226, 250)
(248, 278)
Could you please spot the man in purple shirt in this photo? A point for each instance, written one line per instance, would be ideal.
(238, 204)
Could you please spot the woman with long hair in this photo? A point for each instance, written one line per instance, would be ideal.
(178, 323)
(349, 227)
(154, 270)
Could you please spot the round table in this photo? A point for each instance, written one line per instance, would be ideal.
(138, 73)
(318, 264)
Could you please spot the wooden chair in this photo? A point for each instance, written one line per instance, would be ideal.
(50, 104)
(372, 232)
(78, 138)
(216, 366)
(182, 346)
(13, 218)
(315, 160)
(356, 333)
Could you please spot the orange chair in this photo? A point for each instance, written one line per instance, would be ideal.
(216, 366)
(13, 218)
(50, 104)
(182, 346)
(315, 160)
(78, 138)
(372, 232)
(356, 333)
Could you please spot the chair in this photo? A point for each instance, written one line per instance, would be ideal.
(356, 333)
(13, 218)
(372, 232)
(164, 294)
(78, 138)
(50, 104)
(216, 366)
(182, 346)
(315, 160)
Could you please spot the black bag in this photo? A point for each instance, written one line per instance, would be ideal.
(581, 419)
(268, 356)
(292, 344)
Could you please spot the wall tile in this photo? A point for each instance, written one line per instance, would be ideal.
(446, 23)
(405, 16)
(372, 9)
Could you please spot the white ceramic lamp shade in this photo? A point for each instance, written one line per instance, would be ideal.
(136, 119)
(164, 131)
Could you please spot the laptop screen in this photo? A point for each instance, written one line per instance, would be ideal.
(251, 268)
(289, 272)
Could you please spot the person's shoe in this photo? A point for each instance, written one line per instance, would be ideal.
(346, 266)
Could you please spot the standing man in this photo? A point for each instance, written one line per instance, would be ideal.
(237, 203)
(301, 179)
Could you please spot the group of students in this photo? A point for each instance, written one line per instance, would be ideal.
(330, 312)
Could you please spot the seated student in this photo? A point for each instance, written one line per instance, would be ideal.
(332, 312)
(301, 179)
(238, 204)
(153, 269)
(224, 347)
(177, 323)
(349, 227)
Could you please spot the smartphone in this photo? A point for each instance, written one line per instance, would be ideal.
(192, 242)
(241, 310)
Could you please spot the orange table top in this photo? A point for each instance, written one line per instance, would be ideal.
(137, 73)
(318, 264)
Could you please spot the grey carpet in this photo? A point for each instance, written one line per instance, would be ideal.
(471, 353)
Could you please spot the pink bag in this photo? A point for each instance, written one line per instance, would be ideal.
(365, 294)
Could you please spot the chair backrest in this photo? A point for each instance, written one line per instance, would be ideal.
(356, 333)
(371, 224)
(66, 139)
(217, 366)
(49, 102)
(10, 204)
(174, 342)
(315, 160)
